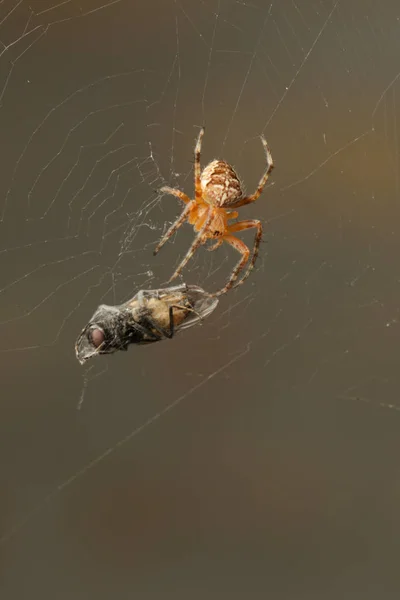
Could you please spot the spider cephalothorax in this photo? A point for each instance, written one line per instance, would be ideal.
(217, 191)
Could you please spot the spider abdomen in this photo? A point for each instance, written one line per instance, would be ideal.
(220, 184)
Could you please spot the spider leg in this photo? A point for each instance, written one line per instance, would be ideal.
(199, 239)
(197, 167)
(216, 245)
(179, 221)
(249, 224)
(174, 192)
(241, 247)
(263, 180)
(245, 252)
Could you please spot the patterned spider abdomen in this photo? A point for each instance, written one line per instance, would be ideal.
(220, 184)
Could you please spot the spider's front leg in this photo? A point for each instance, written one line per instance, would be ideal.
(243, 249)
(204, 222)
(232, 214)
(216, 245)
(175, 226)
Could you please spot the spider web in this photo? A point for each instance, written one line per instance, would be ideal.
(100, 105)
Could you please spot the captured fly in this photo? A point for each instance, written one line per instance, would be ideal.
(150, 316)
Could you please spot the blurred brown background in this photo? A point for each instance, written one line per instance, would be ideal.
(276, 474)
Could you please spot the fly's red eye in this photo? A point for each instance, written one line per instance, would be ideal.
(97, 337)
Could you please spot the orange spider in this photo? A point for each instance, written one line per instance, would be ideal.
(217, 188)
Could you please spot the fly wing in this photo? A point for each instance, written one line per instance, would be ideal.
(203, 305)
(110, 321)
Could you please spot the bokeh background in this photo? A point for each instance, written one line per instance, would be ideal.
(272, 466)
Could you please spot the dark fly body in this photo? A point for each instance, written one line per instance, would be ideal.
(150, 316)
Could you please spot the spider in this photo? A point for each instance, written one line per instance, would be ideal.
(217, 191)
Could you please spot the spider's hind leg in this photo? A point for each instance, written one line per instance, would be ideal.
(174, 192)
